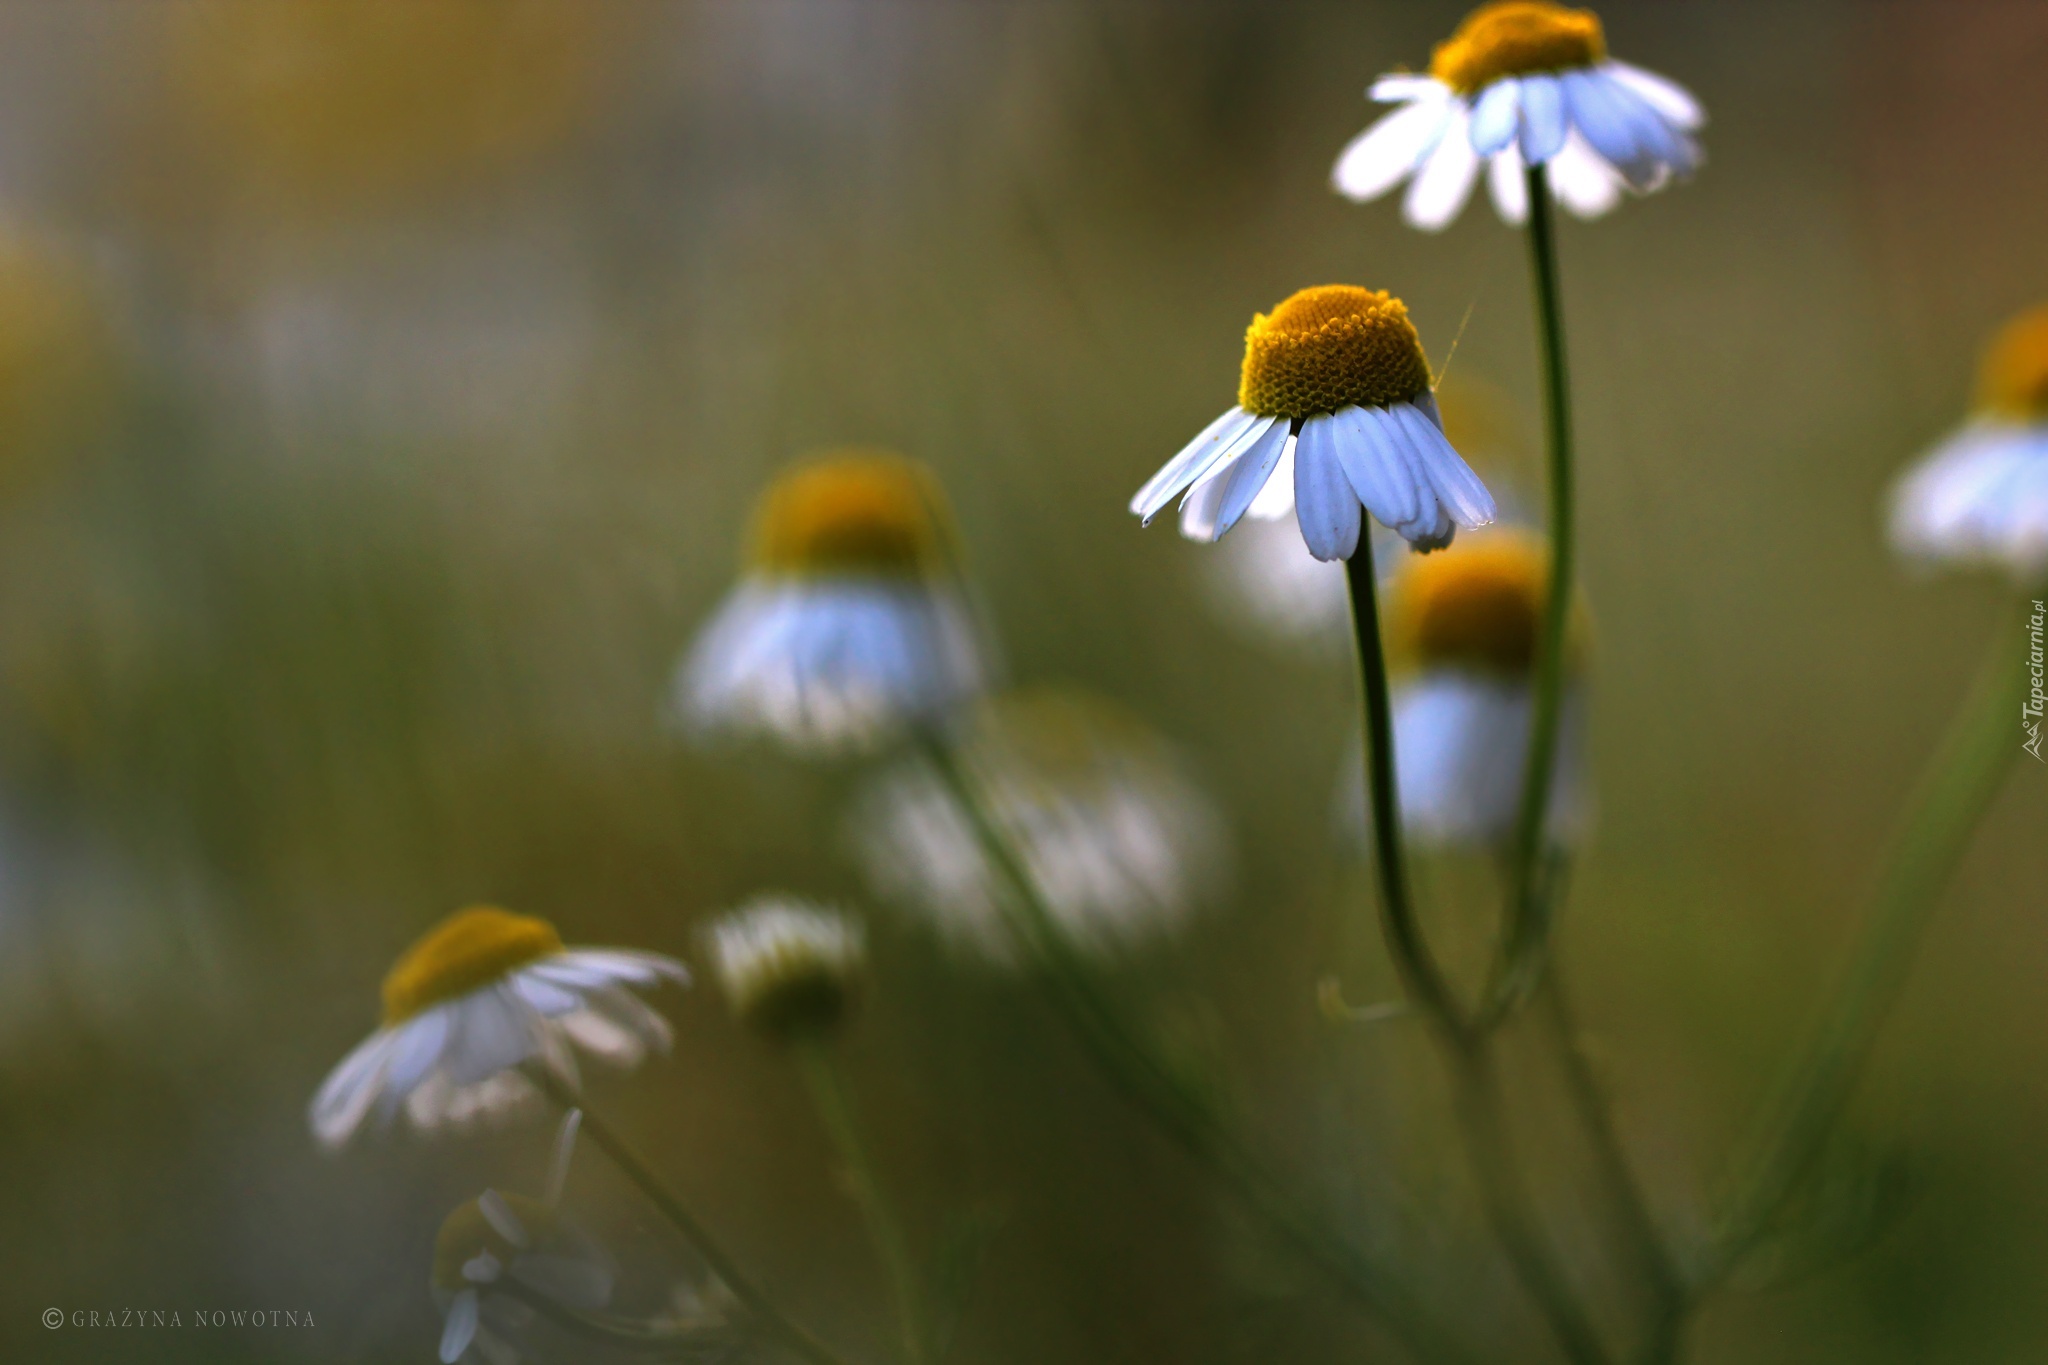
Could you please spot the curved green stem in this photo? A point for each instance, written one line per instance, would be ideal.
(1527, 927)
(1182, 1113)
(1952, 796)
(835, 1109)
(757, 1304)
(1468, 1050)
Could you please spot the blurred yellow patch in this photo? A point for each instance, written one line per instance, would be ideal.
(2012, 380)
(470, 948)
(852, 512)
(466, 1233)
(1478, 604)
(1514, 38)
(1329, 347)
(316, 105)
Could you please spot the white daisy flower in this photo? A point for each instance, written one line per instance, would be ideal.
(1466, 622)
(1117, 839)
(1522, 84)
(787, 966)
(850, 619)
(1334, 418)
(1981, 496)
(484, 992)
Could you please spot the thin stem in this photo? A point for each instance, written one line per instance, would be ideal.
(827, 1085)
(1468, 1051)
(665, 1203)
(1422, 977)
(639, 1338)
(1527, 928)
(1182, 1113)
(1952, 796)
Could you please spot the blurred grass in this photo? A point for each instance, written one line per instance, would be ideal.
(357, 598)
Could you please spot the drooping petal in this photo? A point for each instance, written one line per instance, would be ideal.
(1325, 506)
(1402, 86)
(1378, 474)
(1191, 463)
(1385, 154)
(1543, 119)
(1581, 181)
(1445, 180)
(1216, 504)
(1669, 98)
(1461, 491)
(1510, 191)
(502, 1219)
(460, 1328)
(1663, 142)
(1276, 499)
(1606, 126)
(1495, 116)
(346, 1096)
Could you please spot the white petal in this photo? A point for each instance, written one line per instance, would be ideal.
(482, 1268)
(1390, 89)
(1276, 499)
(1216, 504)
(1543, 119)
(1460, 490)
(547, 997)
(1667, 96)
(1671, 151)
(1581, 181)
(460, 1328)
(1510, 190)
(1385, 154)
(423, 1043)
(490, 1035)
(1325, 506)
(1445, 180)
(1378, 473)
(500, 1216)
(345, 1097)
(1191, 463)
(1495, 116)
(1605, 125)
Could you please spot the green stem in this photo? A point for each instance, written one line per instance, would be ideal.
(622, 1334)
(1527, 927)
(665, 1203)
(1952, 796)
(827, 1085)
(1468, 1051)
(1183, 1114)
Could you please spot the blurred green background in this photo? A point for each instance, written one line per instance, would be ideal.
(383, 388)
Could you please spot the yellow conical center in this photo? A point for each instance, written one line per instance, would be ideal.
(855, 512)
(1513, 38)
(1330, 347)
(1476, 605)
(470, 948)
(467, 1232)
(2012, 381)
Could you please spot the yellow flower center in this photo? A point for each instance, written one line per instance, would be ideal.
(1330, 347)
(470, 948)
(1476, 605)
(1513, 38)
(855, 512)
(467, 1232)
(2013, 378)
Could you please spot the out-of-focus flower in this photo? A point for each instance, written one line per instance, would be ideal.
(499, 1238)
(56, 360)
(316, 106)
(480, 994)
(850, 620)
(1466, 623)
(789, 967)
(1118, 839)
(1342, 367)
(1981, 496)
(1522, 83)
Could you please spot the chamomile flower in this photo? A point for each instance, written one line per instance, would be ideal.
(1119, 841)
(482, 993)
(1522, 83)
(788, 967)
(1465, 623)
(1334, 418)
(1981, 496)
(850, 619)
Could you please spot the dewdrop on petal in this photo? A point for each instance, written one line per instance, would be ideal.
(1334, 403)
(1981, 496)
(850, 620)
(475, 999)
(790, 969)
(1523, 83)
(1464, 626)
(1119, 840)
